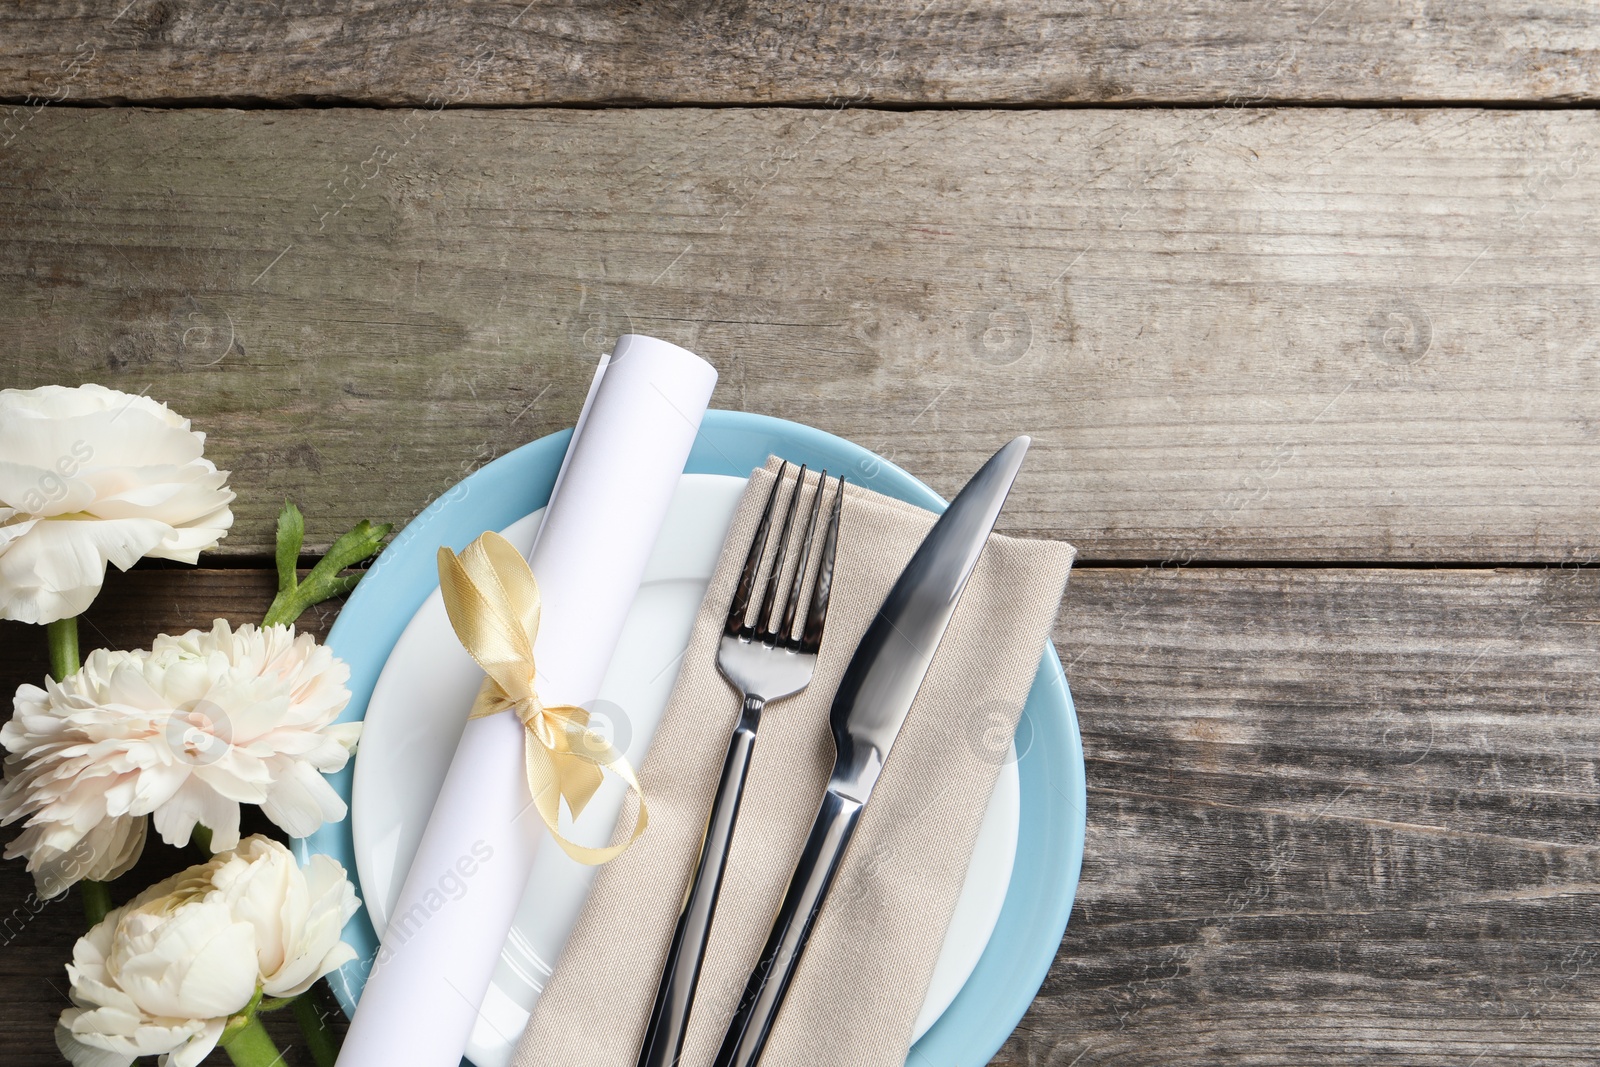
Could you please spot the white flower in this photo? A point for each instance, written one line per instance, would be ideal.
(187, 731)
(162, 975)
(297, 914)
(90, 476)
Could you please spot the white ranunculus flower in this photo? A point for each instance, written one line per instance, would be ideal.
(186, 731)
(91, 476)
(161, 975)
(297, 914)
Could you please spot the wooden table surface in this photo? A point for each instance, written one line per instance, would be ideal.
(1298, 299)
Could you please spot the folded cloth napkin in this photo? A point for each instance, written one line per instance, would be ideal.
(860, 985)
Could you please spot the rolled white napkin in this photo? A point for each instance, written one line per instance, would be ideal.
(621, 469)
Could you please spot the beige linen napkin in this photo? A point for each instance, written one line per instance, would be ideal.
(866, 970)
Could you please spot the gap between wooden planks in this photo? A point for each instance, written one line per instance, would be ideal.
(1234, 334)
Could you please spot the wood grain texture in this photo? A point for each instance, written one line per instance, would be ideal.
(1300, 334)
(1339, 817)
(1335, 817)
(900, 52)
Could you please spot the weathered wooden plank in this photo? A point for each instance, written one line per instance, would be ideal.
(1335, 816)
(1260, 335)
(909, 51)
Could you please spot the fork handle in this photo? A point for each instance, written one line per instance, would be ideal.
(669, 1018)
(808, 886)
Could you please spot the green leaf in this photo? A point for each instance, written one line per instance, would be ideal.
(291, 535)
(324, 581)
(343, 585)
(363, 541)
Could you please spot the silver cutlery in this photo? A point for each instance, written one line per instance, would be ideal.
(874, 696)
(766, 662)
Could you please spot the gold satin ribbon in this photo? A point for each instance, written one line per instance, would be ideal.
(493, 602)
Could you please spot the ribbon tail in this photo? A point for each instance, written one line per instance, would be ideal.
(544, 782)
(579, 780)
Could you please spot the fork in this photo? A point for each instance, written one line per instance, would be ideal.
(765, 662)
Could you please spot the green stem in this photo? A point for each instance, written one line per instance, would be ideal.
(201, 836)
(63, 637)
(96, 900)
(324, 1048)
(247, 1043)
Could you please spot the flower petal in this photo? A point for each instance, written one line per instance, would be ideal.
(89, 477)
(186, 732)
(55, 569)
(196, 802)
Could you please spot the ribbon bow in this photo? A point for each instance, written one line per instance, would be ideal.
(493, 602)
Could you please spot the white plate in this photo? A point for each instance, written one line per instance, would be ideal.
(418, 710)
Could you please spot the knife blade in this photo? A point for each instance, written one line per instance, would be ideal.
(870, 706)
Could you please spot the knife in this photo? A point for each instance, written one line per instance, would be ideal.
(871, 704)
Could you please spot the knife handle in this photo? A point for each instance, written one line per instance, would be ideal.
(669, 1018)
(769, 982)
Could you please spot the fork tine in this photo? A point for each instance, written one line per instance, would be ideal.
(786, 632)
(752, 562)
(764, 619)
(811, 639)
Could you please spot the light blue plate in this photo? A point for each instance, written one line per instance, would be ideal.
(1049, 836)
